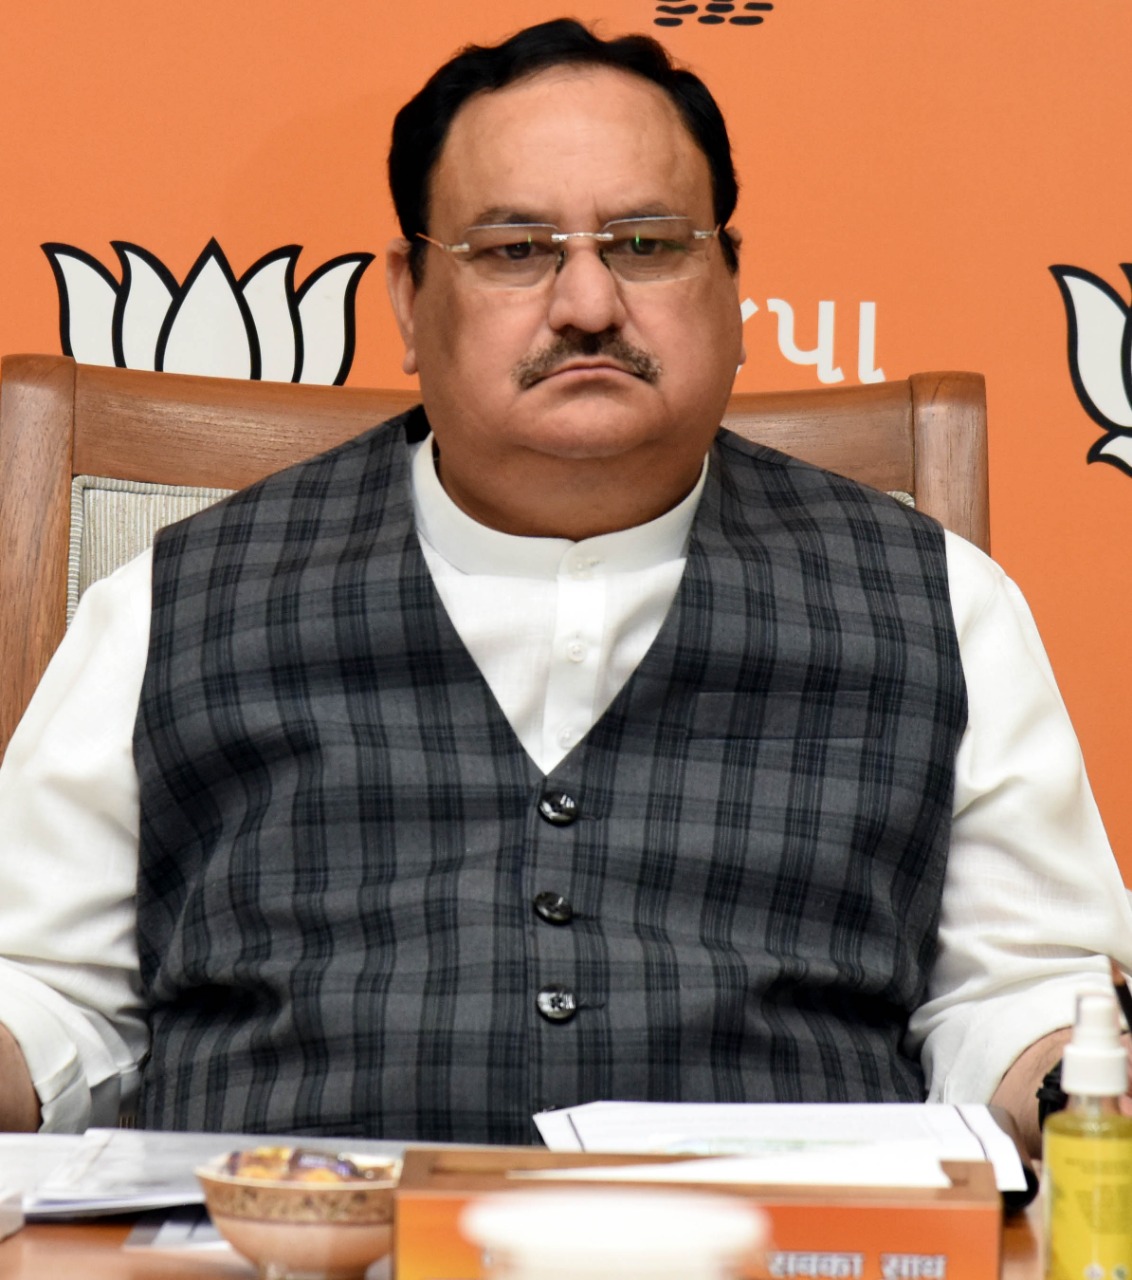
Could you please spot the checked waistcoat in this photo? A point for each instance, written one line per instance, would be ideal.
(342, 841)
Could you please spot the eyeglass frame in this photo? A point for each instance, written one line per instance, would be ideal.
(562, 238)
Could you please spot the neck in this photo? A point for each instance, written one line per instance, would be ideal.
(566, 498)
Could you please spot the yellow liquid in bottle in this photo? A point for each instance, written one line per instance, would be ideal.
(1087, 1186)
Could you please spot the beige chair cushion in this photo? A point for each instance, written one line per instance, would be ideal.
(114, 520)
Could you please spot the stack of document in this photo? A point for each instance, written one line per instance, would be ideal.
(125, 1170)
(868, 1144)
(106, 1170)
(839, 1144)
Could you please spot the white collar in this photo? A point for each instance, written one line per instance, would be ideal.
(475, 548)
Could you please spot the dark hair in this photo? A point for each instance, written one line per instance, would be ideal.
(423, 122)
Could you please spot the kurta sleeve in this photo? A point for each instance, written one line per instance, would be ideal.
(1033, 896)
(69, 987)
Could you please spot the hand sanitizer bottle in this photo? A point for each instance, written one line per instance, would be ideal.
(1087, 1155)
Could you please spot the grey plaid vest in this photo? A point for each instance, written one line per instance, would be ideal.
(363, 910)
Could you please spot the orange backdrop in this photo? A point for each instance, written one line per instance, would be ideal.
(910, 168)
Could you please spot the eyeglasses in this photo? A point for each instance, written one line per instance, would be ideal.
(636, 250)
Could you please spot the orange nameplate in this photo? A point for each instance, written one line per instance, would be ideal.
(817, 1233)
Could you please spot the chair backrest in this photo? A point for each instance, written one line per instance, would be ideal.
(924, 436)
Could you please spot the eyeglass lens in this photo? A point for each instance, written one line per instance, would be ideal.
(635, 250)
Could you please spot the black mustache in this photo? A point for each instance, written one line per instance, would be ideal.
(572, 343)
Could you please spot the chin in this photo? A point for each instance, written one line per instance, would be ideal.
(593, 435)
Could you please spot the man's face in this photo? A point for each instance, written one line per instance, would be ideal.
(582, 366)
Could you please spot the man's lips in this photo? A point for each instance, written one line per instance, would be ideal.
(588, 366)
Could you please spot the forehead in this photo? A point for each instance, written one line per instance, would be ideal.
(570, 142)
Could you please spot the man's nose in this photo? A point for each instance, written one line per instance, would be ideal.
(585, 294)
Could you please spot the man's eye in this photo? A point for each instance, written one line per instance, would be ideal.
(646, 246)
(515, 251)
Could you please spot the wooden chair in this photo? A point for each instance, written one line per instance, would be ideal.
(925, 436)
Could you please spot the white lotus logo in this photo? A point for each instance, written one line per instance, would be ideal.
(255, 326)
(1100, 358)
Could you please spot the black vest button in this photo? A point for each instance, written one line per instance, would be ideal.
(556, 1003)
(553, 908)
(557, 808)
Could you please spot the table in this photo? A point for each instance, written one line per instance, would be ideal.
(92, 1251)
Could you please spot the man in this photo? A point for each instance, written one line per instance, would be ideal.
(567, 751)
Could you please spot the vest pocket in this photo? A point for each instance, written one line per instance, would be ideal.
(783, 713)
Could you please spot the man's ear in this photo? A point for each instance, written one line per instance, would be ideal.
(737, 240)
(402, 295)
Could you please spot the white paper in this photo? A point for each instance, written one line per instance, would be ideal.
(885, 1164)
(113, 1170)
(27, 1158)
(836, 1134)
(120, 1170)
(11, 1213)
(999, 1146)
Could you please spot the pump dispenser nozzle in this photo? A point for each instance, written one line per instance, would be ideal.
(1095, 1062)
